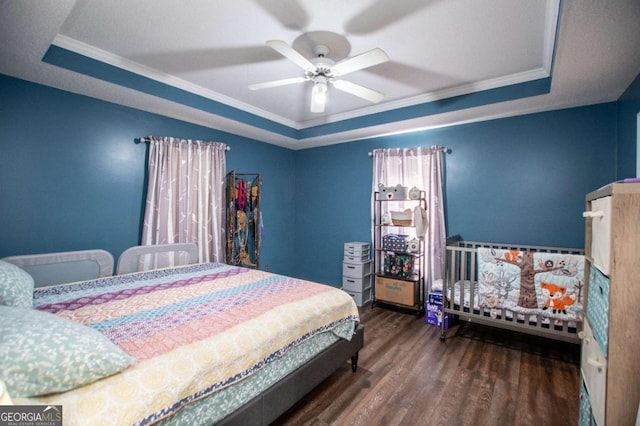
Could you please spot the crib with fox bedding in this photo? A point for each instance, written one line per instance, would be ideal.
(532, 289)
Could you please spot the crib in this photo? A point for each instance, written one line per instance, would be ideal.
(477, 289)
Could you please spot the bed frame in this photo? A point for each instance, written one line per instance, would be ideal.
(461, 264)
(55, 268)
(276, 400)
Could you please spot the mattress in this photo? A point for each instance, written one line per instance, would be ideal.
(194, 331)
(461, 292)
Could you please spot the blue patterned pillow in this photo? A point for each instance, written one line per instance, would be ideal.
(16, 286)
(43, 353)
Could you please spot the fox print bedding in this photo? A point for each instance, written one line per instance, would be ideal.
(538, 283)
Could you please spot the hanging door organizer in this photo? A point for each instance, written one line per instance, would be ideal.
(243, 219)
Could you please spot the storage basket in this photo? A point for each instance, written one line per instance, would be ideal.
(403, 218)
(395, 242)
(399, 265)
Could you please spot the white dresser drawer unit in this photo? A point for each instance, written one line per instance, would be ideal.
(357, 270)
(356, 252)
(360, 297)
(357, 258)
(356, 247)
(357, 284)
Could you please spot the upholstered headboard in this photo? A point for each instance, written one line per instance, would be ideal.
(65, 267)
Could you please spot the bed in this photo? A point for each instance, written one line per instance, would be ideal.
(531, 289)
(199, 344)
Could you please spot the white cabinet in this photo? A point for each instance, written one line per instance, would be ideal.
(357, 268)
(609, 364)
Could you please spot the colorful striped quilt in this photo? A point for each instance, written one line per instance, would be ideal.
(193, 330)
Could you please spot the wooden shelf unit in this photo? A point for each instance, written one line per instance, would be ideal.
(609, 366)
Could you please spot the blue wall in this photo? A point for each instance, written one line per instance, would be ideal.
(628, 109)
(73, 178)
(514, 180)
(333, 195)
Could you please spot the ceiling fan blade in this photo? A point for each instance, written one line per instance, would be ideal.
(290, 53)
(364, 60)
(359, 91)
(288, 12)
(384, 13)
(276, 83)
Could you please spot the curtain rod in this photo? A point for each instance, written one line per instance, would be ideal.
(147, 139)
(440, 148)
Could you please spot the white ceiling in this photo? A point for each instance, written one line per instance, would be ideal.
(438, 49)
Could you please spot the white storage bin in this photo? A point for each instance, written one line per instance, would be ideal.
(356, 270)
(594, 373)
(352, 257)
(360, 298)
(356, 247)
(601, 233)
(357, 284)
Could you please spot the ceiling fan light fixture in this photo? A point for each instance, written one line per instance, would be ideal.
(322, 70)
(319, 94)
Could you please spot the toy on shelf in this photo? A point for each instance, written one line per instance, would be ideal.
(397, 192)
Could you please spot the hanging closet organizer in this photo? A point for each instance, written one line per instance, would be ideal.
(243, 219)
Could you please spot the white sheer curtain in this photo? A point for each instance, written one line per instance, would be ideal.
(421, 167)
(185, 195)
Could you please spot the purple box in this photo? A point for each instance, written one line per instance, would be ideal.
(435, 297)
(433, 310)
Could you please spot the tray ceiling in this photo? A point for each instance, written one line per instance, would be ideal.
(450, 61)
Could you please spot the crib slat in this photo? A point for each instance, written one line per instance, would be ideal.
(472, 279)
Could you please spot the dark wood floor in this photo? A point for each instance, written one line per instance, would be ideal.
(478, 376)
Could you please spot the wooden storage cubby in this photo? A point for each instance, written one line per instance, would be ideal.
(609, 366)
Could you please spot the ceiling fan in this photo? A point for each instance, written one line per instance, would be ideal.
(323, 71)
